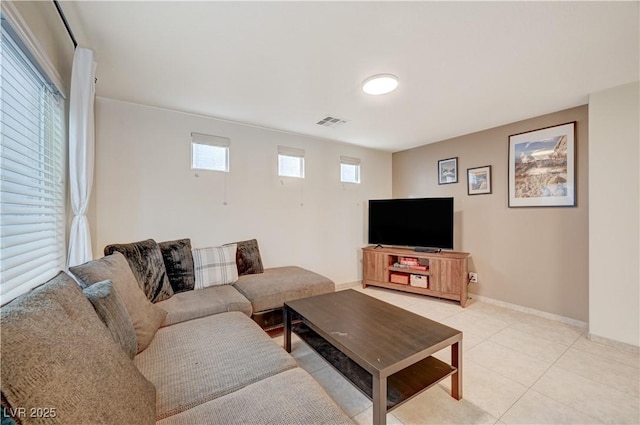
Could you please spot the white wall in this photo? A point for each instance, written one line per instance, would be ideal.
(614, 228)
(144, 188)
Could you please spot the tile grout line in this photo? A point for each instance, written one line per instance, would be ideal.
(587, 377)
(548, 369)
(530, 387)
(499, 419)
(534, 336)
(603, 357)
(364, 410)
(565, 404)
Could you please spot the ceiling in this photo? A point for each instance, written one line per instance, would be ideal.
(463, 66)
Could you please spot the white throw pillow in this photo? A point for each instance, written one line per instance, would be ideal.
(215, 266)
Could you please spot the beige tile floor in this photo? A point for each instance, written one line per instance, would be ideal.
(517, 369)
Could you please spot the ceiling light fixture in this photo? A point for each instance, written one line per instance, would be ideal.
(380, 84)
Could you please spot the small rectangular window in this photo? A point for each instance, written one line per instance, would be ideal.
(349, 170)
(209, 152)
(290, 162)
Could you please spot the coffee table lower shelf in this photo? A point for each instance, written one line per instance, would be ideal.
(401, 386)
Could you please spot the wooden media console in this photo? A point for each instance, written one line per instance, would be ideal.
(444, 273)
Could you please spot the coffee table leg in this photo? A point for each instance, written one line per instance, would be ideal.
(379, 400)
(456, 378)
(286, 316)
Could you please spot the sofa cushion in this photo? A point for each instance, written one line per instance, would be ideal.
(56, 353)
(248, 257)
(111, 310)
(215, 266)
(290, 397)
(276, 286)
(212, 300)
(145, 316)
(145, 259)
(193, 362)
(178, 262)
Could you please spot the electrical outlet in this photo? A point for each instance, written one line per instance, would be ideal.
(473, 277)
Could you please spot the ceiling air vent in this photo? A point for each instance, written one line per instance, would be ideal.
(330, 121)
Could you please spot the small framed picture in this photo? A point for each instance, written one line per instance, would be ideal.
(542, 170)
(448, 171)
(479, 180)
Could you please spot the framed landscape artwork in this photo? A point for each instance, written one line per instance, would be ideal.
(542, 167)
(448, 171)
(479, 180)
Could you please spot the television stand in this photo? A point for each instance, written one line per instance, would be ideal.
(440, 274)
(429, 250)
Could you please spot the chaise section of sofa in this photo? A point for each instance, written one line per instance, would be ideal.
(268, 291)
(194, 362)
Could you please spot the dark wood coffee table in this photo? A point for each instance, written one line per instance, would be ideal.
(383, 350)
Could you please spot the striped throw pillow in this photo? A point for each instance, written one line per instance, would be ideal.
(215, 266)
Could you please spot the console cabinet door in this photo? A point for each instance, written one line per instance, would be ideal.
(434, 279)
(374, 266)
(448, 277)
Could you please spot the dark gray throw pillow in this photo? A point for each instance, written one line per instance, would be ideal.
(146, 317)
(145, 260)
(248, 257)
(111, 310)
(178, 261)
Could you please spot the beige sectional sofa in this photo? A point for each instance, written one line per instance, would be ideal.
(260, 296)
(101, 352)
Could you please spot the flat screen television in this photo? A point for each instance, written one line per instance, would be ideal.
(419, 222)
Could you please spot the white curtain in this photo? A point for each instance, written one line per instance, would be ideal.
(81, 153)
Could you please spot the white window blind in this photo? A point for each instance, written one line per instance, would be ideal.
(209, 152)
(32, 170)
(349, 170)
(290, 162)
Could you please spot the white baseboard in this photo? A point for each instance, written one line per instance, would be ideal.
(347, 285)
(613, 343)
(567, 320)
(533, 311)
